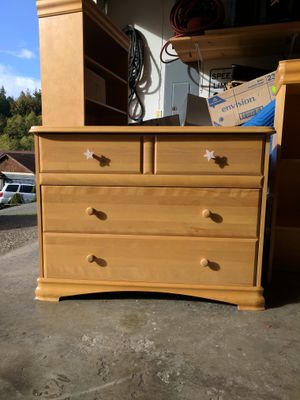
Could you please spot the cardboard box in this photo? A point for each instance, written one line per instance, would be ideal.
(194, 111)
(238, 105)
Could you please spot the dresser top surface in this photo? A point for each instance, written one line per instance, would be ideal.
(157, 130)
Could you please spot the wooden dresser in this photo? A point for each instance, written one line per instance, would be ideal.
(157, 209)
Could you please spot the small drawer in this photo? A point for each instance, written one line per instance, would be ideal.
(222, 155)
(101, 154)
(157, 211)
(150, 259)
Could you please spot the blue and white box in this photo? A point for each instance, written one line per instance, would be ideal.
(238, 105)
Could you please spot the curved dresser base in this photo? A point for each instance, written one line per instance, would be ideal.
(245, 297)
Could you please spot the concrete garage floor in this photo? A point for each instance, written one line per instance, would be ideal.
(132, 346)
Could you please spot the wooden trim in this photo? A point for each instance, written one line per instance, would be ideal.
(39, 206)
(94, 12)
(47, 8)
(263, 214)
(236, 42)
(148, 154)
(247, 298)
(90, 62)
(209, 181)
(156, 130)
(287, 73)
(106, 106)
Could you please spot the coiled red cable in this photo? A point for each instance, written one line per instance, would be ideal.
(193, 17)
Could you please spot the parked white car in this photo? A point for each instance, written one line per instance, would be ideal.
(26, 190)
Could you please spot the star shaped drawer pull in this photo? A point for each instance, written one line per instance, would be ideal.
(103, 161)
(221, 161)
(210, 155)
(88, 154)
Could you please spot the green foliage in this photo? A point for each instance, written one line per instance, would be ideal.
(4, 103)
(26, 143)
(15, 126)
(16, 119)
(16, 199)
(7, 143)
(27, 103)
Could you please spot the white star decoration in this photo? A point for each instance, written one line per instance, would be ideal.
(89, 154)
(209, 155)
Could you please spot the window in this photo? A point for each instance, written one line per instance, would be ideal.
(26, 189)
(12, 188)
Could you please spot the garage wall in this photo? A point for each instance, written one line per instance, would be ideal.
(151, 17)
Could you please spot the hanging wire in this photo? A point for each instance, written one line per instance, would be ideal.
(135, 69)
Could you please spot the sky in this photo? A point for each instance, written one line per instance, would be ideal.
(19, 46)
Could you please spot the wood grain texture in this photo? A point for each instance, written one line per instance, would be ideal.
(205, 181)
(285, 170)
(111, 154)
(262, 216)
(48, 8)
(39, 206)
(129, 230)
(157, 130)
(148, 154)
(237, 42)
(246, 297)
(150, 259)
(288, 73)
(76, 35)
(156, 211)
(186, 155)
(61, 51)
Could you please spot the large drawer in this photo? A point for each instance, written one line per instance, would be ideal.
(90, 153)
(209, 155)
(150, 259)
(159, 211)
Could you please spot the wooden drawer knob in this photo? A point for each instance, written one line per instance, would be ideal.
(90, 258)
(90, 211)
(206, 213)
(204, 262)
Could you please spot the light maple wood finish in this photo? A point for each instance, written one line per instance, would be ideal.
(150, 243)
(205, 181)
(39, 206)
(285, 170)
(238, 42)
(151, 259)
(262, 219)
(247, 297)
(148, 154)
(111, 154)
(186, 155)
(75, 37)
(174, 211)
(63, 90)
(237, 131)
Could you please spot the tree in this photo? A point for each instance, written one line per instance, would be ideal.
(8, 143)
(26, 143)
(37, 102)
(16, 127)
(16, 119)
(23, 104)
(32, 120)
(4, 104)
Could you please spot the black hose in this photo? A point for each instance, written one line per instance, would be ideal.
(135, 69)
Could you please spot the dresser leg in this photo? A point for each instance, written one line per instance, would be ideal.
(254, 303)
(45, 292)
